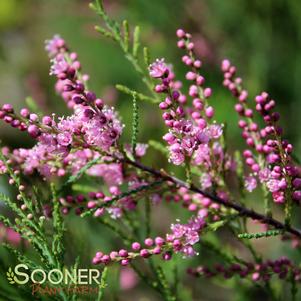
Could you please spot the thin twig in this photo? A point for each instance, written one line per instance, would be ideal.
(243, 211)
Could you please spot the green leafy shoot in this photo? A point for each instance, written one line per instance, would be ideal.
(260, 234)
(80, 173)
(135, 124)
(120, 33)
(139, 96)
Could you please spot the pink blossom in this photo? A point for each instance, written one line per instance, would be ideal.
(53, 46)
(158, 68)
(250, 183)
(264, 175)
(64, 138)
(59, 65)
(273, 185)
(128, 279)
(177, 157)
(215, 131)
(202, 155)
(12, 236)
(206, 181)
(111, 173)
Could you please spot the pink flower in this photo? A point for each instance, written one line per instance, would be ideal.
(111, 173)
(273, 185)
(178, 230)
(13, 237)
(115, 212)
(64, 138)
(187, 234)
(188, 144)
(202, 155)
(169, 138)
(202, 137)
(128, 279)
(264, 175)
(158, 68)
(103, 130)
(59, 65)
(177, 157)
(53, 46)
(3, 168)
(141, 149)
(206, 181)
(215, 131)
(156, 198)
(250, 183)
(188, 251)
(278, 197)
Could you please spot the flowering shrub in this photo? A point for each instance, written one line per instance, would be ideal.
(213, 193)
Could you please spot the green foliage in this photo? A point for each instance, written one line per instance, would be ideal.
(126, 237)
(139, 96)
(188, 171)
(126, 34)
(136, 41)
(103, 284)
(20, 257)
(58, 248)
(146, 56)
(82, 188)
(32, 105)
(158, 146)
(221, 252)
(260, 234)
(167, 293)
(81, 172)
(135, 124)
(29, 226)
(120, 33)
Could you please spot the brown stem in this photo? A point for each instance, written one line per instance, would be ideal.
(243, 211)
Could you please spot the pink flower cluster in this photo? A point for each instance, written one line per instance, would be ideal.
(190, 131)
(98, 124)
(282, 267)
(65, 66)
(181, 240)
(270, 155)
(92, 126)
(99, 202)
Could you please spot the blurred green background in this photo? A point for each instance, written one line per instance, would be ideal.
(261, 37)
